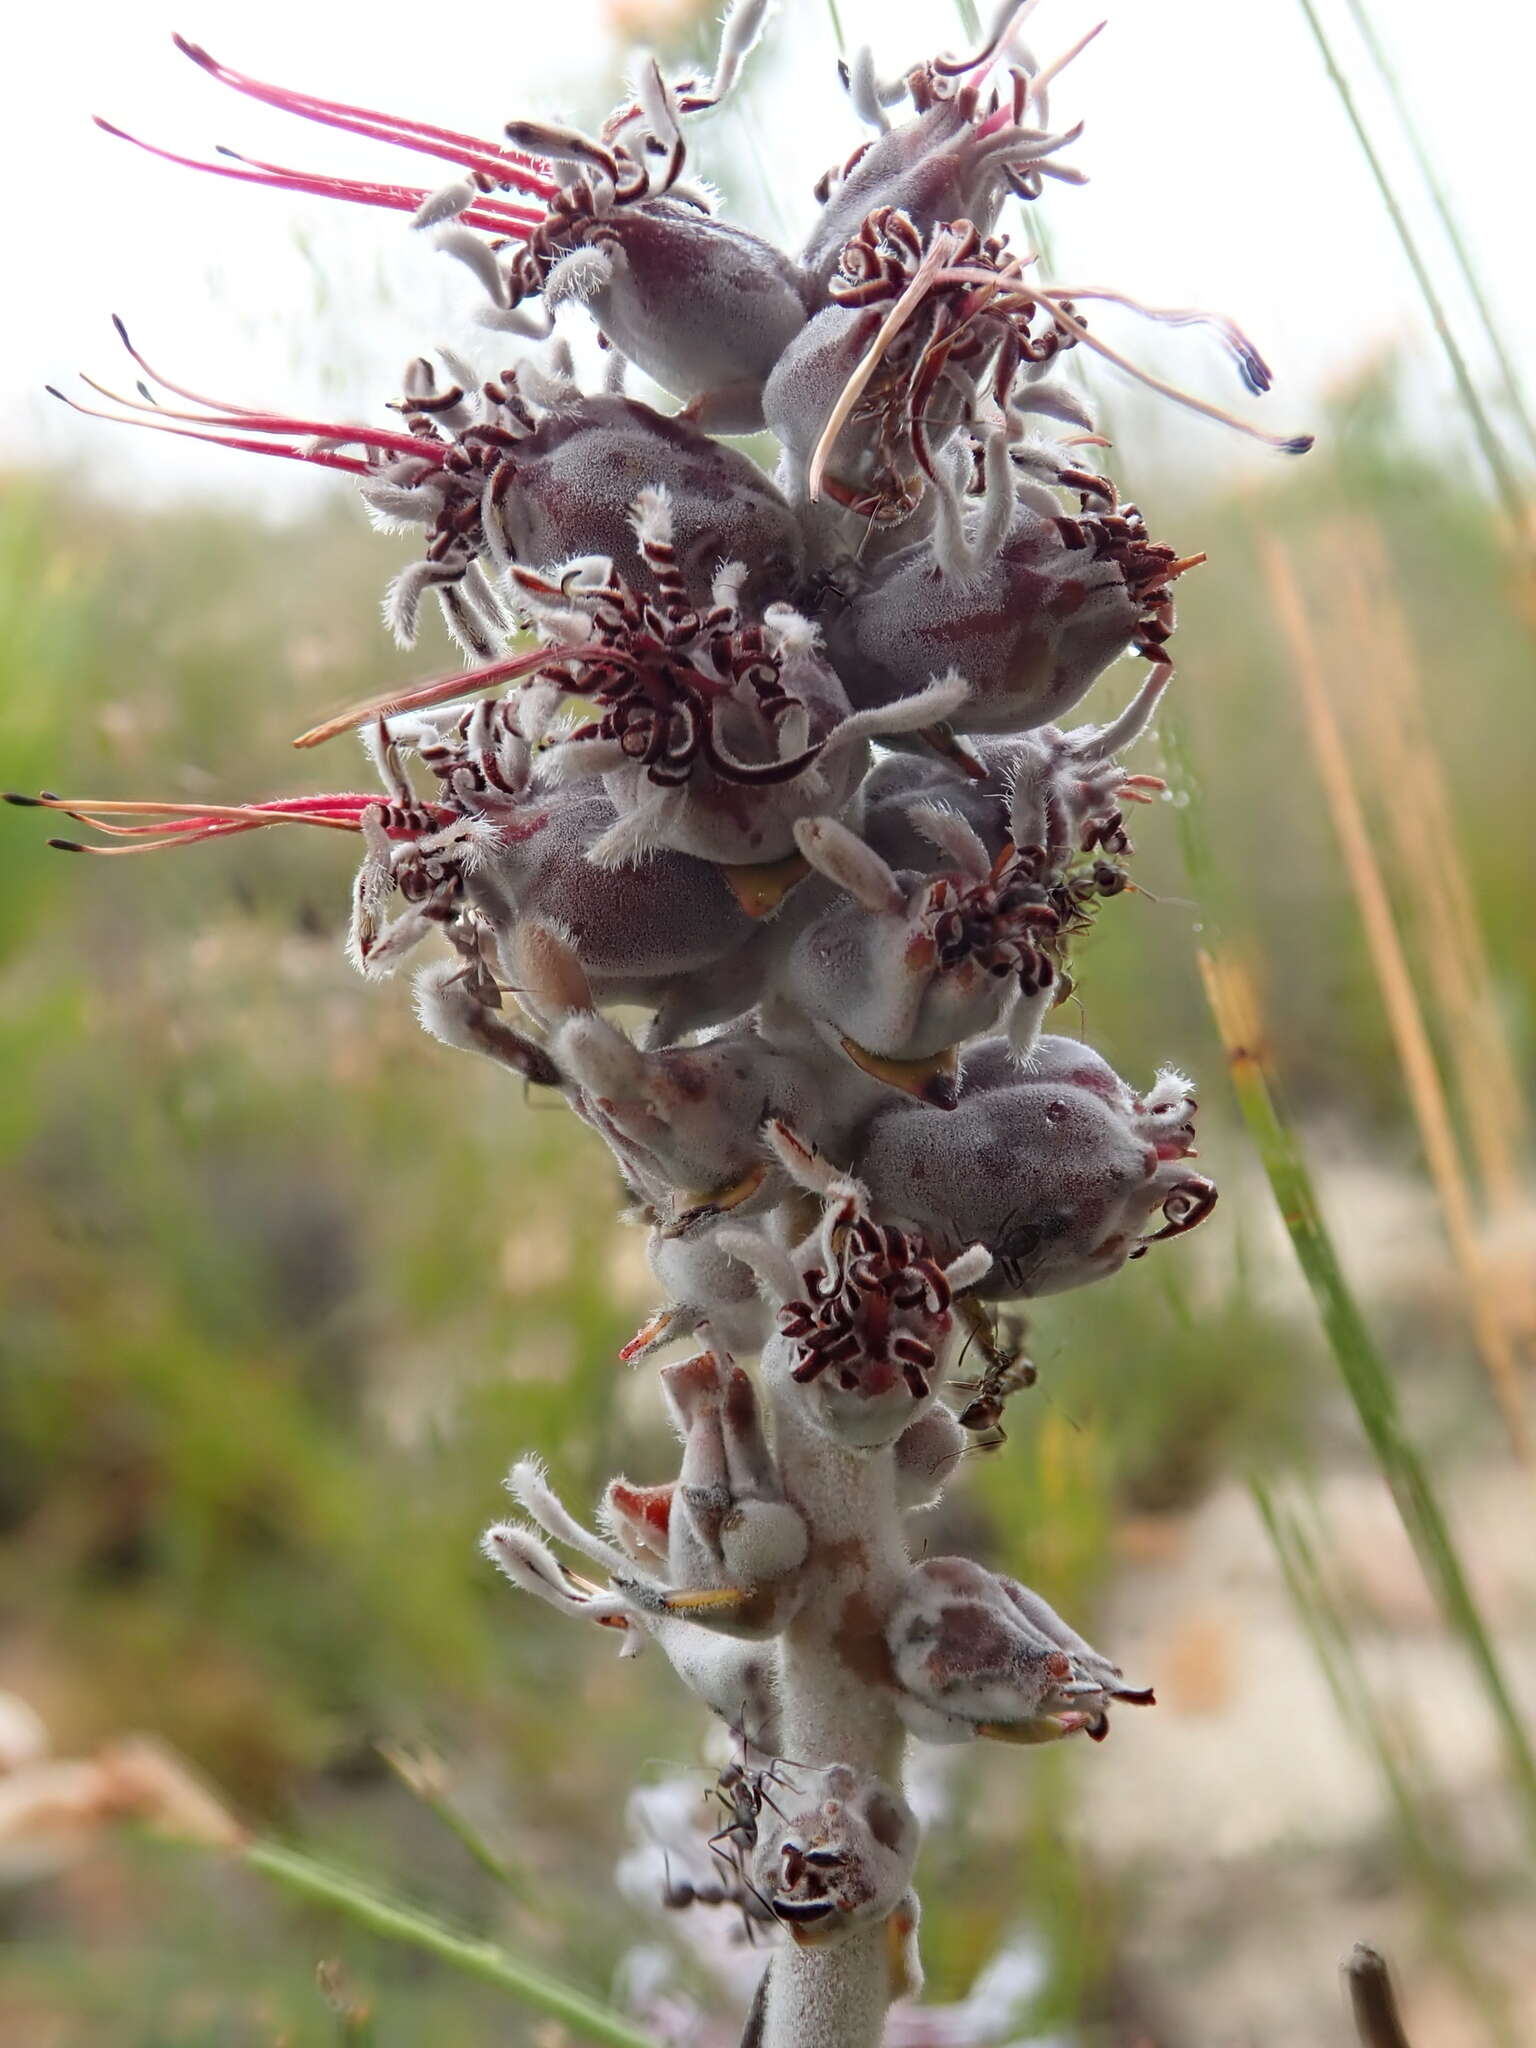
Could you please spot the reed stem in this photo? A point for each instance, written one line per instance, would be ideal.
(1505, 481)
(394, 1920)
(1361, 1366)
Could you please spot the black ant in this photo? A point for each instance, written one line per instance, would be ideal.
(1006, 1371)
(743, 1793)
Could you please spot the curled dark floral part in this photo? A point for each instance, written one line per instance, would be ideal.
(873, 1316)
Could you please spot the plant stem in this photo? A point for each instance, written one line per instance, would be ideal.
(1391, 1747)
(397, 1921)
(1360, 1364)
(1405, 1015)
(1509, 376)
(1372, 2000)
(834, 1997)
(1505, 481)
(834, 1711)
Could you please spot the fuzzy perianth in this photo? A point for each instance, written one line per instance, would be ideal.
(780, 761)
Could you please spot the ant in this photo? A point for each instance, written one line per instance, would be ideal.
(733, 1890)
(1006, 1371)
(744, 1794)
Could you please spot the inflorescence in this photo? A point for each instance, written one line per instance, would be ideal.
(778, 760)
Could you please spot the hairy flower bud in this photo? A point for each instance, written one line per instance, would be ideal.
(686, 1122)
(837, 1857)
(978, 1654)
(969, 145)
(1032, 629)
(864, 1311)
(914, 966)
(1055, 1165)
(659, 932)
(576, 476)
(698, 303)
(727, 1537)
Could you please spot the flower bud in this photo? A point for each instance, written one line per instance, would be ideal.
(686, 1122)
(702, 306)
(662, 932)
(914, 965)
(575, 477)
(837, 1858)
(978, 1654)
(968, 146)
(865, 1334)
(1055, 1165)
(1032, 630)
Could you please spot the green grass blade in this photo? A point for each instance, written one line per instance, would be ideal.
(1360, 1363)
(1505, 481)
(397, 1921)
(1422, 1847)
(1509, 376)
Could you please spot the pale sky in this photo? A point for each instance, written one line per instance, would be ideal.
(1222, 172)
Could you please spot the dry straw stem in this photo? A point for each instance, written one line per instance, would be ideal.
(1400, 766)
(1235, 1009)
(1410, 1034)
(1506, 482)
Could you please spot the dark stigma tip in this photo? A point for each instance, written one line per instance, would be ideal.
(1300, 444)
(14, 796)
(67, 845)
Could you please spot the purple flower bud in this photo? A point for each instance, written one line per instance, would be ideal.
(970, 145)
(686, 1122)
(916, 965)
(702, 306)
(731, 1520)
(1031, 631)
(573, 481)
(978, 1654)
(864, 1321)
(717, 734)
(1056, 1166)
(649, 933)
(931, 336)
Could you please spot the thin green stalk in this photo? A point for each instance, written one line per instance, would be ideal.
(837, 28)
(1360, 1364)
(1440, 199)
(477, 1846)
(424, 1774)
(1334, 1649)
(396, 1921)
(1505, 481)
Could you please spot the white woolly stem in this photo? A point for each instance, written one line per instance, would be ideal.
(835, 1703)
(835, 1997)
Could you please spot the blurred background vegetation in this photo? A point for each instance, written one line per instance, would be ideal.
(285, 1287)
